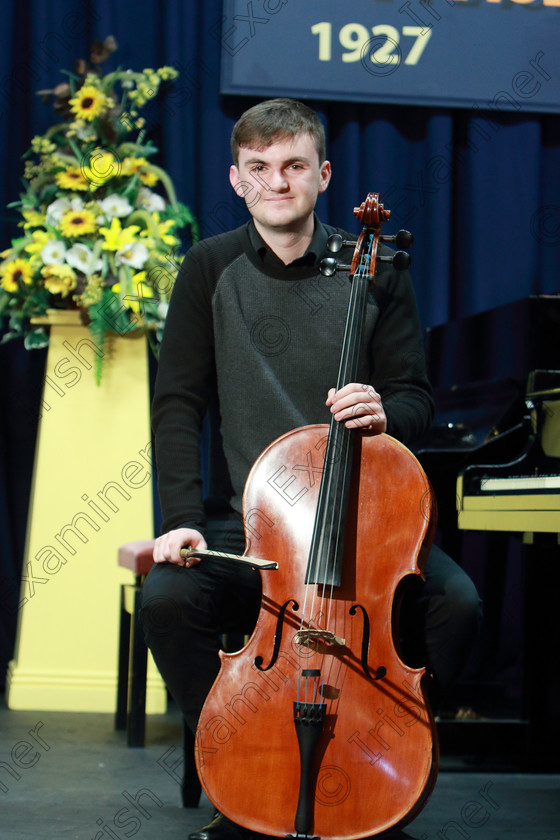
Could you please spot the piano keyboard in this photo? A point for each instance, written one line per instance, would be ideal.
(529, 504)
(519, 483)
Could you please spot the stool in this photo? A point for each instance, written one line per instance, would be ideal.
(133, 654)
(133, 662)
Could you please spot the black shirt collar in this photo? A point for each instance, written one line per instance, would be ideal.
(313, 254)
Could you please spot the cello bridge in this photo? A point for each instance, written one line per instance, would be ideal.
(310, 638)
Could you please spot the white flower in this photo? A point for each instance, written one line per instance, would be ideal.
(53, 252)
(127, 84)
(84, 132)
(58, 208)
(81, 258)
(151, 201)
(135, 254)
(115, 205)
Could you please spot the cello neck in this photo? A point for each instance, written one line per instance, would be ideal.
(327, 543)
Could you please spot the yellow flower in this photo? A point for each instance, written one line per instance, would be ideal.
(117, 237)
(39, 239)
(30, 171)
(131, 165)
(33, 218)
(92, 292)
(81, 130)
(163, 229)
(72, 179)
(103, 167)
(14, 272)
(167, 72)
(164, 235)
(59, 279)
(148, 178)
(77, 222)
(42, 145)
(88, 103)
(140, 166)
(140, 291)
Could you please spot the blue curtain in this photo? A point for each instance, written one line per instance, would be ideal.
(479, 190)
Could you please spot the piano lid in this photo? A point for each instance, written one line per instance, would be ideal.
(507, 342)
(482, 369)
(471, 416)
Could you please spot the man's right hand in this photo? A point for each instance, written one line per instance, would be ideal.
(168, 547)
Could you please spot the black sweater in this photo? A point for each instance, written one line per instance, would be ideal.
(255, 345)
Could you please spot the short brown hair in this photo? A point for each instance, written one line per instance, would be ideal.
(273, 120)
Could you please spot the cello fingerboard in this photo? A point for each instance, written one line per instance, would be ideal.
(327, 543)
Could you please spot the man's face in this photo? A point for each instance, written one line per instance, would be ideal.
(281, 183)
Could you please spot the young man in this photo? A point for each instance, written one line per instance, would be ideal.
(252, 339)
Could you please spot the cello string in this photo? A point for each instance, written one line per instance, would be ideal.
(340, 450)
(348, 372)
(326, 542)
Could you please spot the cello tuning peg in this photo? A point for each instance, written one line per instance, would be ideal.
(329, 266)
(335, 242)
(402, 239)
(401, 260)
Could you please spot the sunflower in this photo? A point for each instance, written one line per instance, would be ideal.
(72, 179)
(59, 279)
(77, 222)
(14, 272)
(103, 166)
(88, 103)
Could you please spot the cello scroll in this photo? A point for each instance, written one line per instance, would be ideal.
(371, 214)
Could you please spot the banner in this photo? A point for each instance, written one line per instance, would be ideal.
(488, 54)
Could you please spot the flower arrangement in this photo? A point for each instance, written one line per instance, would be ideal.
(100, 220)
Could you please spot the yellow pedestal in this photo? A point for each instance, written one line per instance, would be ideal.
(92, 491)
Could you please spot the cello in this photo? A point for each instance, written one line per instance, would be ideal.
(317, 728)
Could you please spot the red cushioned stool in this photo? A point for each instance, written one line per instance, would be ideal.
(133, 654)
(133, 662)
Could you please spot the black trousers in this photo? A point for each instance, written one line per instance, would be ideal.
(185, 611)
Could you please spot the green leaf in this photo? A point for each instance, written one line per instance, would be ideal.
(16, 322)
(4, 301)
(36, 339)
(77, 153)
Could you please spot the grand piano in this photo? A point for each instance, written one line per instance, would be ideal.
(523, 494)
(493, 457)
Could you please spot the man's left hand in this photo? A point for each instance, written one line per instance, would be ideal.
(358, 407)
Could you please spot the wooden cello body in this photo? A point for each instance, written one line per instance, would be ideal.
(317, 728)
